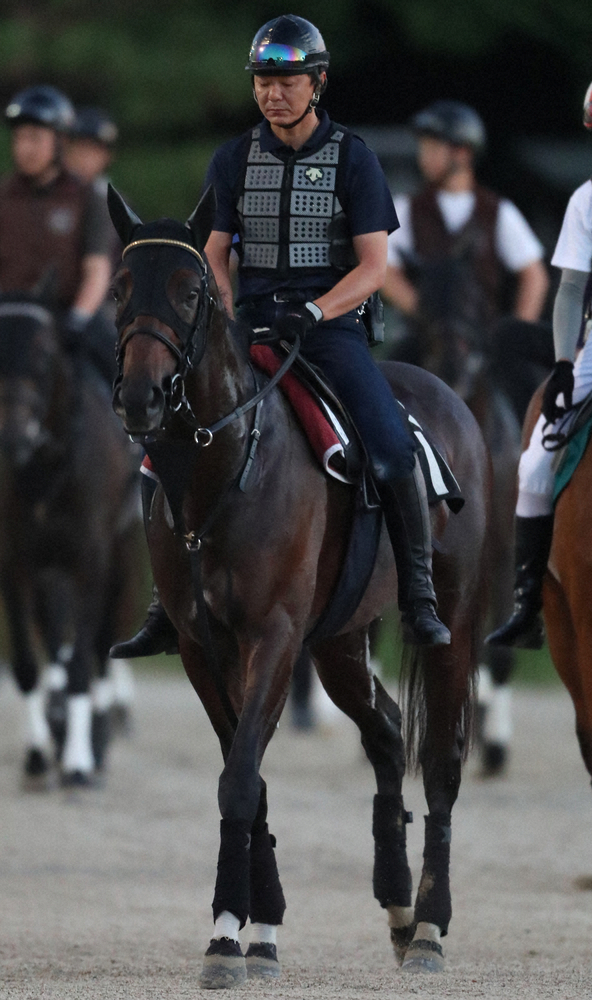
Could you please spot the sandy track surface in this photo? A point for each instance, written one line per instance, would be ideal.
(108, 895)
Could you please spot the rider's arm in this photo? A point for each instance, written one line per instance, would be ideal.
(567, 313)
(531, 291)
(399, 291)
(217, 250)
(96, 276)
(367, 277)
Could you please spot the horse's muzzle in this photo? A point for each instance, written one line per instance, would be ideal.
(139, 403)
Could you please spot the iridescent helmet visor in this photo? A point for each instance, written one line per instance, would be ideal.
(272, 55)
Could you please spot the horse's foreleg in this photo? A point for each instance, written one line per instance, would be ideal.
(37, 737)
(78, 761)
(267, 903)
(343, 666)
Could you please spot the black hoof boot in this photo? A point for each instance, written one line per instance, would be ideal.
(224, 965)
(157, 635)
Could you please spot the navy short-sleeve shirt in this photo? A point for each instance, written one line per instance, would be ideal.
(361, 188)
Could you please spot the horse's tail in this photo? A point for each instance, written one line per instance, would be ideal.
(438, 689)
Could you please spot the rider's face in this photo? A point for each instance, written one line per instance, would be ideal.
(282, 99)
(33, 149)
(438, 159)
(86, 158)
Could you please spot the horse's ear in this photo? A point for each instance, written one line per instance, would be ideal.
(46, 289)
(201, 220)
(122, 217)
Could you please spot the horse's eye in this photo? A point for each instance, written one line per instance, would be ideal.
(192, 296)
(115, 294)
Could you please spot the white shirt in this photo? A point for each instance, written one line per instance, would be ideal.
(574, 246)
(515, 243)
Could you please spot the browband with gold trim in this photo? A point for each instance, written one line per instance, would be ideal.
(163, 242)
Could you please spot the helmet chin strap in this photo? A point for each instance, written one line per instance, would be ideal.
(313, 103)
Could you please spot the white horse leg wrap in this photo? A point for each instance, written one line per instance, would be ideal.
(122, 677)
(263, 934)
(227, 925)
(102, 694)
(36, 729)
(55, 677)
(77, 751)
(400, 916)
(484, 686)
(498, 720)
(427, 932)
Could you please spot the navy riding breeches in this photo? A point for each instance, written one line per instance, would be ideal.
(339, 349)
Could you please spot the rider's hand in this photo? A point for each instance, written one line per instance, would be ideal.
(561, 380)
(73, 328)
(299, 321)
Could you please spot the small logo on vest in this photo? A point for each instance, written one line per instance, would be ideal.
(314, 174)
(61, 221)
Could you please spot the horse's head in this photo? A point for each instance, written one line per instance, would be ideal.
(30, 359)
(162, 292)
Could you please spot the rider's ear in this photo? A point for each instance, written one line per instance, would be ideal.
(122, 217)
(201, 220)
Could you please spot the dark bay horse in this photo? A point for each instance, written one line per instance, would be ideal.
(66, 508)
(454, 341)
(265, 560)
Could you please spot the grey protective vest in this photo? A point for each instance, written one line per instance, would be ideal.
(286, 209)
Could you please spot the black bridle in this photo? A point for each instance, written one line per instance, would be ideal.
(193, 338)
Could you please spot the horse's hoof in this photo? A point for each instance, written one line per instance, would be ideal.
(224, 965)
(262, 961)
(424, 956)
(401, 938)
(494, 758)
(78, 779)
(35, 771)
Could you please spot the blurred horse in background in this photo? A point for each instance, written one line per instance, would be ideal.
(68, 504)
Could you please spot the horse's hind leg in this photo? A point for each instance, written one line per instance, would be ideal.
(343, 667)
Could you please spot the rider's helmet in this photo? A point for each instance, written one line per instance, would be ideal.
(41, 105)
(588, 108)
(286, 46)
(95, 124)
(453, 122)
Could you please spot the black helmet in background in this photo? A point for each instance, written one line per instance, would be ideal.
(41, 105)
(286, 46)
(453, 122)
(95, 124)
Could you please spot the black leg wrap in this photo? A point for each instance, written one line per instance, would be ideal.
(433, 904)
(391, 880)
(267, 897)
(232, 882)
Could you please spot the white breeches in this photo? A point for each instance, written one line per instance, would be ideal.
(536, 471)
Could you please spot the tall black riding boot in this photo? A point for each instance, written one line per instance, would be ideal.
(407, 516)
(158, 634)
(533, 545)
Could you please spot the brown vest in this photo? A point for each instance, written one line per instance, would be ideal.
(475, 241)
(40, 228)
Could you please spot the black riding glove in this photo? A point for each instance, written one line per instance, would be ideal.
(561, 380)
(299, 321)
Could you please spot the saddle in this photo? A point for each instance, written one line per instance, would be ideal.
(333, 434)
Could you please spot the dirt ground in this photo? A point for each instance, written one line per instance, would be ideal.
(109, 895)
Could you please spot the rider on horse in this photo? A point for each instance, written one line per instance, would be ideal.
(453, 220)
(307, 207)
(567, 383)
(50, 219)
